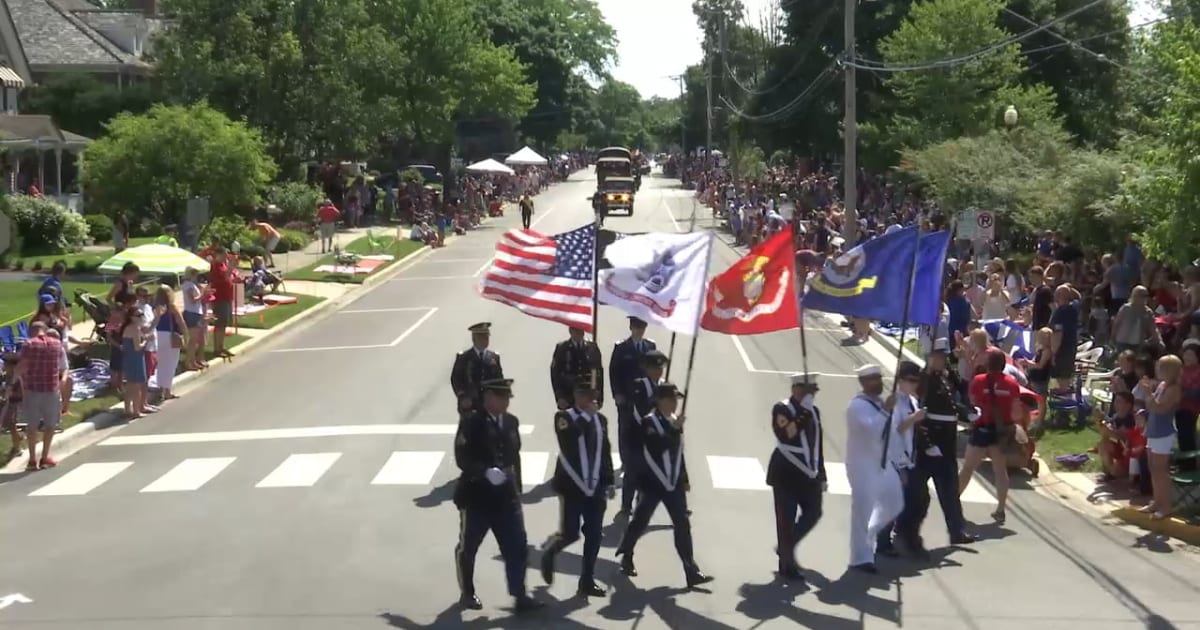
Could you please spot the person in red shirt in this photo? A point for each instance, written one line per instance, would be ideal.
(327, 216)
(221, 281)
(42, 368)
(997, 396)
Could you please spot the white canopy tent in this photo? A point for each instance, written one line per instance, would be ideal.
(490, 166)
(526, 157)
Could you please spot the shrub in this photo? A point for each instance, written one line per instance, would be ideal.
(44, 226)
(226, 230)
(82, 266)
(291, 241)
(100, 227)
(296, 201)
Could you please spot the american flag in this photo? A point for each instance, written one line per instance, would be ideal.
(549, 277)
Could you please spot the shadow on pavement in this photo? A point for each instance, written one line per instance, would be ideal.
(436, 496)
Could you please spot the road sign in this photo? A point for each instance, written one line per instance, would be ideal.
(985, 226)
(965, 225)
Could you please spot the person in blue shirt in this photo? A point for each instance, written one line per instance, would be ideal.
(960, 309)
(1065, 338)
(53, 282)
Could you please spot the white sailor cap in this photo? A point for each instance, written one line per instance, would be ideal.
(868, 370)
(801, 378)
(941, 345)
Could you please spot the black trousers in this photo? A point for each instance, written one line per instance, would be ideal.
(944, 473)
(526, 218)
(797, 511)
(579, 513)
(1185, 433)
(676, 503)
(507, 524)
(630, 458)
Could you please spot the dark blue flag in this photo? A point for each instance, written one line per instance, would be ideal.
(871, 280)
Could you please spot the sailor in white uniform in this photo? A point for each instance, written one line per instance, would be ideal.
(876, 493)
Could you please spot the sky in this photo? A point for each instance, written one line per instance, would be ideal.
(660, 38)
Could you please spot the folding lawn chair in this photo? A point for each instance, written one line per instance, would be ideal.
(1186, 485)
(22, 331)
(8, 342)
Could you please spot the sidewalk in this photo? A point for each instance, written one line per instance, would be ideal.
(1080, 490)
(291, 261)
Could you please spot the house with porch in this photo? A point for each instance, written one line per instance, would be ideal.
(43, 38)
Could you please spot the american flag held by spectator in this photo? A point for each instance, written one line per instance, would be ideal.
(548, 277)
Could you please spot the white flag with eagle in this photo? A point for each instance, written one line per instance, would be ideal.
(658, 277)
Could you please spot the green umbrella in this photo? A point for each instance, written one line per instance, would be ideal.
(156, 259)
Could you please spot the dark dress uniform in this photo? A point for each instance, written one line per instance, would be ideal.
(624, 368)
(571, 359)
(936, 458)
(640, 402)
(471, 368)
(582, 478)
(487, 450)
(664, 482)
(796, 474)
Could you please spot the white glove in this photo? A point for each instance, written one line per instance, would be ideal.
(495, 476)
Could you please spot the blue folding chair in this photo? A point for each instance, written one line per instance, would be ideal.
(22, 331)
(8, 342)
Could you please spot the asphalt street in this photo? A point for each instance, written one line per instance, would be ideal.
(309, 487)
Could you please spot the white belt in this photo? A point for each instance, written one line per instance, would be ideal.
(789, 453)
(941, 417)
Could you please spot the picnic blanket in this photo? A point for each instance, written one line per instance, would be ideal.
(91, 380)
(364, 266)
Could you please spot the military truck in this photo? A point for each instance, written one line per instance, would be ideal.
(618, 194)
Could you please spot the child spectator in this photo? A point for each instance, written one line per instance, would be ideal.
(10, 410)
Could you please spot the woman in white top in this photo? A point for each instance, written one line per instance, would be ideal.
(1013, 282)
(193, 318)
(995, 300)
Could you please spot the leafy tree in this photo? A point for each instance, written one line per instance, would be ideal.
(619, 105)
(152, 163)
(83, 104)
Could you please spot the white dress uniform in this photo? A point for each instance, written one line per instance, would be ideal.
(876, 495)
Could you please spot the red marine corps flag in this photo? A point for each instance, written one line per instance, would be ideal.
(757, 294)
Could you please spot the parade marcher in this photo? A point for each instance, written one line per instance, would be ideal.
(935, 455)
(487, 450)
(906, 413)
(583, 479)
(571, 358)
(624, 368)
(876, 494)
(599, 207)
(796, 472)
(641, 399)
(526, 210)
(665, 482)
(473, 366)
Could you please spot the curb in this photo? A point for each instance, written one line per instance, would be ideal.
(1173, 527)
(893, 346)
(75, 438)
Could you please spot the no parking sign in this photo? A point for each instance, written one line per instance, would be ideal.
(985, 226)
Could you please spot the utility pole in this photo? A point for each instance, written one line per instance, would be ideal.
(850, 125)
(682, 78)
(708, 108)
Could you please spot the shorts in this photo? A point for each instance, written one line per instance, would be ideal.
(983, 436)
(193, 320)
(224, 313)
(42, 410)
(272, 243)
(327, 230)
(1162, 445)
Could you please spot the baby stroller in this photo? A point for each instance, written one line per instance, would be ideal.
(97, 310)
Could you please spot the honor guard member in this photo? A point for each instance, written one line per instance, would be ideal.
(473, 366)
(641, 399)
(583, 479)
(487, 450)
(796, 472)
(624, 368)
(935, 455)
(665, 482)
(571, 358)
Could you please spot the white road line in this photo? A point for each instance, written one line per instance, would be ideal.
(540, 217)
(190, 474)
(298, 432)
(449, 261)
(409, 468)
(399, 278)
(330, 348)
(737, 473)
(413, 328)
(299, 471)
(839, 483)
(82, 480)
(533, 468)
(402, 309)
(663, 203)
(741, 350)
(483, 268)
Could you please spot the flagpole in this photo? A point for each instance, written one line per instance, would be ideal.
(912, 278)
(670, 357)
(596, 283)
(687, 380)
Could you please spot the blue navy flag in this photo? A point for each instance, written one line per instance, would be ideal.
(870, 281)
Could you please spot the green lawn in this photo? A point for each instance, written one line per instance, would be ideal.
(86, 409)
(276, 315)
(18, 300)
(912, 346)
(1069, 442)
(397, 248)
(82, 262)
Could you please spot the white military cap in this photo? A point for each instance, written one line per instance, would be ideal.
(801, 378)
(941, 345)
(869, 369)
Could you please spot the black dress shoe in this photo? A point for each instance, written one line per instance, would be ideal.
(791, 574)
(470, 602)
(887, 551)
(963, 538)
(525, 603)
(590, 590)
(627, 565)
(868, 568)
(696, 578)
(548, 567)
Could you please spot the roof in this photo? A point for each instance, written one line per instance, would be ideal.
(52, 33)
(35, 130)
(613, 159)
(10, 78)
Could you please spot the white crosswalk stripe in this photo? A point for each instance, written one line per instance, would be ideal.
(416, 469)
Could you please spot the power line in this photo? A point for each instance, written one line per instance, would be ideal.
(793, 105)
(820, 24)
